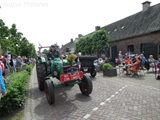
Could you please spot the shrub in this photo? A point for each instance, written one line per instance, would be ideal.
(29, 68)
(16, 92)
(107, 66)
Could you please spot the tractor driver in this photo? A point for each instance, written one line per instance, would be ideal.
(53, 53)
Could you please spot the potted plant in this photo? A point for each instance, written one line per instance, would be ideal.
(109, 70)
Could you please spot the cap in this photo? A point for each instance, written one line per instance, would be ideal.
(79, 53)
(52, 46)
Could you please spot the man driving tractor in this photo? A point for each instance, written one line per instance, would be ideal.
(53, 53)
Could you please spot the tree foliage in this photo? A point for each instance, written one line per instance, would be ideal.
(45, 51)
(12, 41)
(96, 43)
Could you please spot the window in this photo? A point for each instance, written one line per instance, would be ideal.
(122, 27)
(115, 30)
(130, 48)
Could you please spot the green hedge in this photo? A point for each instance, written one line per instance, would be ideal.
(17, 86)
(29, 68)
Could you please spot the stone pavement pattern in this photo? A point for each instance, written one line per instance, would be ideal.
(115, 98)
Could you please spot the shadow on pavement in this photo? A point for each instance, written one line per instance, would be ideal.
(35, 93)
(140, 77)
(93, 78)
(62, 108)
(82, 98)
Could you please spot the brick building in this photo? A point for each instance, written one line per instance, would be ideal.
(138, 33)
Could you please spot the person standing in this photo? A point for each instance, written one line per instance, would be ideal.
(2, 84)
(120, 56)
(77, 60)
(103, 56)
(6, 65)
(12, 64)
(18, 64)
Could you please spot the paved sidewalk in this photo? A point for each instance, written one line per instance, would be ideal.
(115, 98)
(29, 106)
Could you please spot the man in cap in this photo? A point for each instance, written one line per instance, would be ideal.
(53, 53)
(77, 60)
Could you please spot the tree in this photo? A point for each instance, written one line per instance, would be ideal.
(100, 41)
(4, 34)
(13, 41)
(96, 43)
(26, 49)
(45, 51)
(15, 38)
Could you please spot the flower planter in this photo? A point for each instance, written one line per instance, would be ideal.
(110, 72)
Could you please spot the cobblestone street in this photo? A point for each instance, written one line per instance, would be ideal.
(116, 98)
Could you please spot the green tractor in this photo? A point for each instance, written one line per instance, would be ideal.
(67, 74)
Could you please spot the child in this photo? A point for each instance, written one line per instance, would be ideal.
(2, 84)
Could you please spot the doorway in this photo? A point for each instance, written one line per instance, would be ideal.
(130, 48)
(149, 49)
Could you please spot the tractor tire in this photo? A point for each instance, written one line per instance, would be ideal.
(49, 90)
(41, 74)
(93, 73)
(86, 85)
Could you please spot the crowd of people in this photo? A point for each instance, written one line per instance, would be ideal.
(10, 65)
(132, 62)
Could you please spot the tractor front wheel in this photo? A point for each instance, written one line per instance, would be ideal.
(86, 85)
(49, 90)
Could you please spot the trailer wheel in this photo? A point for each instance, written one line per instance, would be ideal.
(86, 85)
(49, 90)
(93, 73)
(41, 74)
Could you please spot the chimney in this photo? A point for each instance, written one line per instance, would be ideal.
(79, 35)
(62, 45)
(75, 39)
(71, 40)
(146, 5)
(97, 28)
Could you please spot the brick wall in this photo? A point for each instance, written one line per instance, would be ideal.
(136, 41)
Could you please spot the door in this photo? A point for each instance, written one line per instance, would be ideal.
(113, 53)
(149, 49)
(130, 48)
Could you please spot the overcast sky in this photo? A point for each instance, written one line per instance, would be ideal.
(50, 21)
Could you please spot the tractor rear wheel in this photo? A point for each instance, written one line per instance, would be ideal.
(41, 74)
(86, 85)
(93, 73)
(49, 90)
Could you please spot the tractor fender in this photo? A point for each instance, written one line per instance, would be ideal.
(41, 60)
